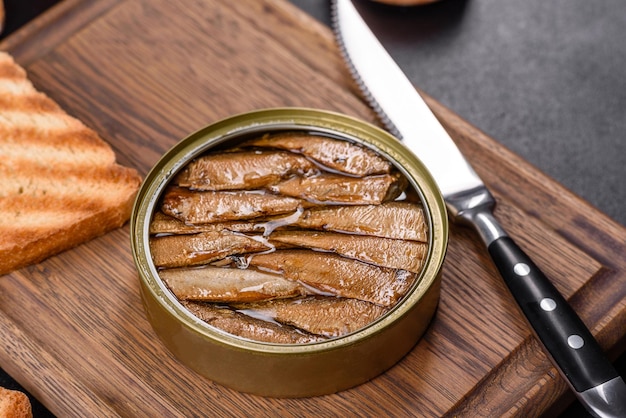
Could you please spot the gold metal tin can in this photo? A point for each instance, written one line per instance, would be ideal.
(280, 370)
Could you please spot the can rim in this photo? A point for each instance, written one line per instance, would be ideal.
(274, 119)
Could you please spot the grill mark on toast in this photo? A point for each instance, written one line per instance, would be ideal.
(62, 182)
(43, 215)
(8, 68)
(25, 101)
(59, 182)
(34, 211)
(40, 122)
(28, 156)
(71, 139)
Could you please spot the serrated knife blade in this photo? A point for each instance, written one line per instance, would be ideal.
(566, 339)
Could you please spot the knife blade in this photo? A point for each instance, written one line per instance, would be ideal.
(567, 341)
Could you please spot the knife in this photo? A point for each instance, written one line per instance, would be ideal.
(567, 341)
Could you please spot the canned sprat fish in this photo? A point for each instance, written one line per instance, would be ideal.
(289, 252)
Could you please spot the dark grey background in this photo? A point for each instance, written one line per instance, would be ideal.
(545, 78)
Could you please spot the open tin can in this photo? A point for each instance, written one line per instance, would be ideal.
(290, 370)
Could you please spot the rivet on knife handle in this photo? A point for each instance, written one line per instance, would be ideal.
(565, 337)
(556, 324)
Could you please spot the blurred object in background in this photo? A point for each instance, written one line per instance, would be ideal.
(16, 13)
(406, 2)
(1, 16)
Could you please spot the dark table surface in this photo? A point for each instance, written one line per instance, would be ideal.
(545, 79)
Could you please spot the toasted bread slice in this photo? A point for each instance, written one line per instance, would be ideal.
(14, 404)
(59, 182)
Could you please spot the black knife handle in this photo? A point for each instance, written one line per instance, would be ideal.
(565, 338)
(561, 331)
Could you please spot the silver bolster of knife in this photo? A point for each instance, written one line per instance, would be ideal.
(475, 207)
(611, 393)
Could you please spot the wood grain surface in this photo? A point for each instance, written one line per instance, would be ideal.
(146, 73)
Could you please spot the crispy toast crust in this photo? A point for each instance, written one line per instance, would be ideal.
(59, 182)
(14, 404)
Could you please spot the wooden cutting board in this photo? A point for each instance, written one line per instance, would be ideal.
(144, 74)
